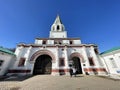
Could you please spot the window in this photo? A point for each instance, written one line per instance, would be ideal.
(58, 27)
(60, 42)
(61, 63)
(1, 62)
(96, 51)
(71, 42)
(91, 61)
(113, 63)
(21, 62)
(44, 42)
(57, 42)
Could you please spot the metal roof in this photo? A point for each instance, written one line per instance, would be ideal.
(6, 51)
(110, 50)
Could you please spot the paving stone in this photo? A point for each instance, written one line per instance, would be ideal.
(48, 82)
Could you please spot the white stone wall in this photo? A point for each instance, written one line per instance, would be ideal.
(60, 52)
(8, 62)
(64, 42)
(58, 34)
(113, 67)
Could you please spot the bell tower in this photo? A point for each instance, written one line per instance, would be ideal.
(58, 29)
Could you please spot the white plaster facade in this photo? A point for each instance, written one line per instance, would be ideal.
(61, 49)
(111, 60)
(7, 59)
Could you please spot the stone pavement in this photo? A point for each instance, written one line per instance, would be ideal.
(48, 82)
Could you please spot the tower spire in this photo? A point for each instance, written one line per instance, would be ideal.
(58, 29)
(58, 20)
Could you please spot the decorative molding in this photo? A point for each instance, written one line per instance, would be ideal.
(41, 52)
(60, 70)
(94, 69)
(76, 54)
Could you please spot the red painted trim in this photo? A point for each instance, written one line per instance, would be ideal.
(94, 69)
(19, 71)
(41, 52)
(60, 70)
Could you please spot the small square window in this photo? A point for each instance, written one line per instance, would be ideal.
(113, 63)
(62, 62)
(96, 51)
(84, 65)
(21, 62)
(71, 42)
(1, 62)
(91, 61)
(44, 42)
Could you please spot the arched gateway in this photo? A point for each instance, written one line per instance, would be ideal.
(43, 65)
(77, 59)
(43, 62)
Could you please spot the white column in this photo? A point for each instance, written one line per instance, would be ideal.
(66, 60)
(56, 63)
(57, 58)
(94, 56)
(85, 59)
(28, 55)
(18, 53)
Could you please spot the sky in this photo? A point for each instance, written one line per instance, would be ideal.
(93, 21)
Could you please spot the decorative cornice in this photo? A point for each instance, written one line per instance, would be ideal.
(58, 38)
(57, 45)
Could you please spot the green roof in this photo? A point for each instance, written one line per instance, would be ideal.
(110, 50)
(6, 51)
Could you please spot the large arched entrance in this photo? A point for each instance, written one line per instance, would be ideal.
(43, 65)
(77, 64)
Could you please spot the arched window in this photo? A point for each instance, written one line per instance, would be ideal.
(58, 27)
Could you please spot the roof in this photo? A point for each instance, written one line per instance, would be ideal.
(6, 51)
(58, 20)
(110, 50)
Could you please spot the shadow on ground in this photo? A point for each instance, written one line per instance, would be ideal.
(109, 78)
(14, 78)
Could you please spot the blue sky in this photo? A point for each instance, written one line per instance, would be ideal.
(93, 21)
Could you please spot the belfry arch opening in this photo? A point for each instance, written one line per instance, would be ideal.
(43, 65)
(77, 65)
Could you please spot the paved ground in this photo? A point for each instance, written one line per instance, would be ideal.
(47, 82)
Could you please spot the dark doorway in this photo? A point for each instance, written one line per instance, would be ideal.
(77, 65)
(43, 65)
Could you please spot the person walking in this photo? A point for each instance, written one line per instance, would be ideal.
(71, 72)
(74, 71)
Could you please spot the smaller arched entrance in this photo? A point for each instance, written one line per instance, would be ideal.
(77, 65)
(77, 59)
(43, 65)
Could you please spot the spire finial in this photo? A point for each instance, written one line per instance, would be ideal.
(58, 20)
